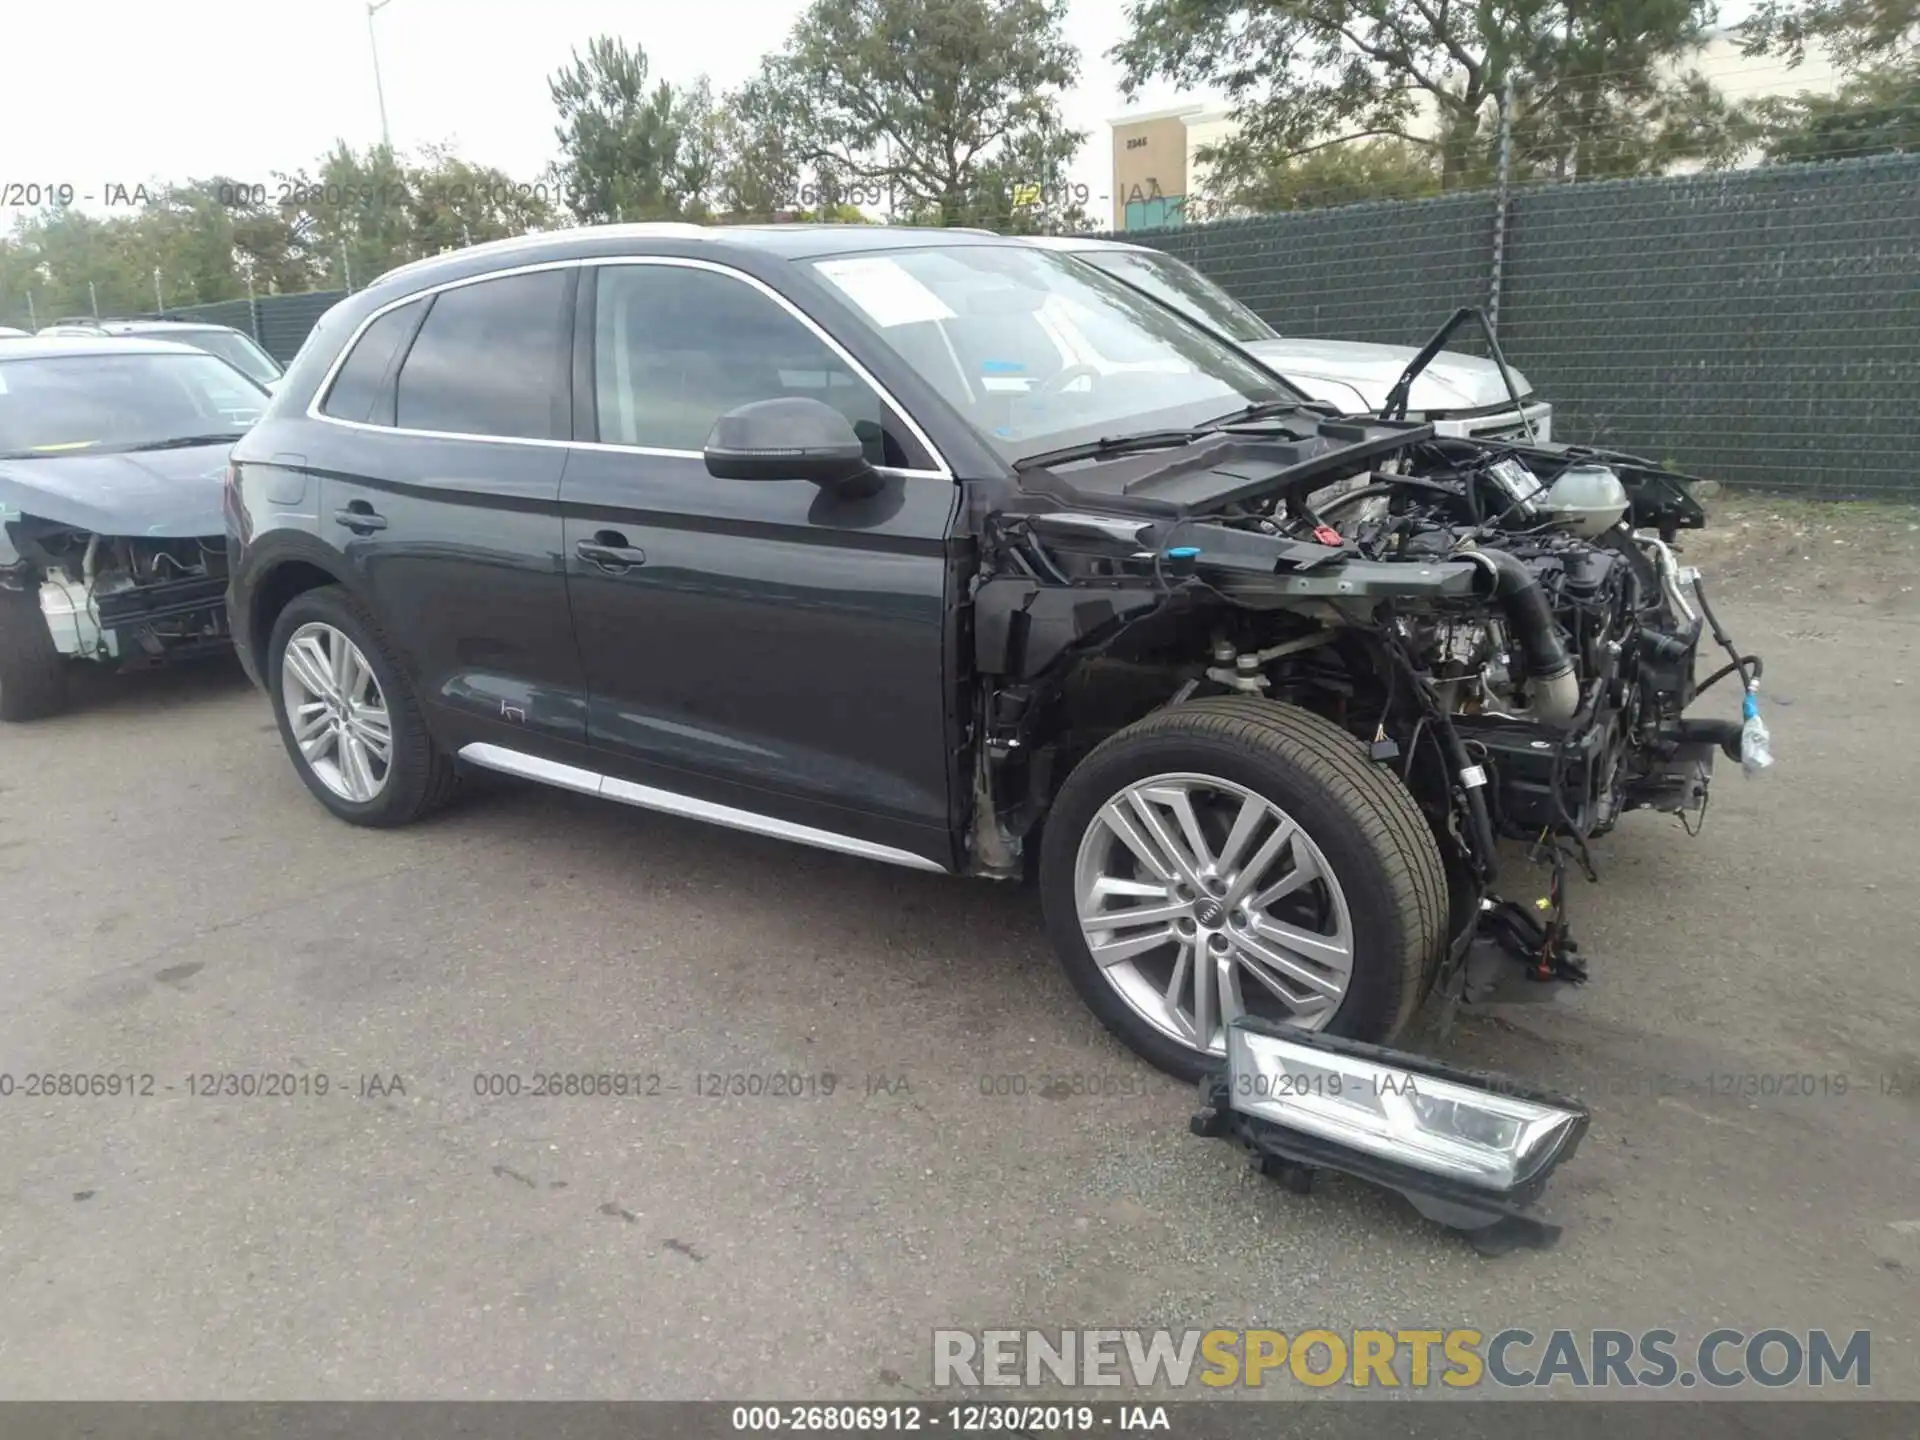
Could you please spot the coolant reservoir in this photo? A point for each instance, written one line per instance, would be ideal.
(1587, 499)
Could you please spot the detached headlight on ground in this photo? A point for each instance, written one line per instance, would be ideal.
(1470, 1150)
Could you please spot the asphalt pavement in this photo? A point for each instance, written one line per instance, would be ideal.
(862, 1101)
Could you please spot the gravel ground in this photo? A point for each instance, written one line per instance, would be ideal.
(175, 903)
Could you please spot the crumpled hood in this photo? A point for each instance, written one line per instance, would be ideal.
(168, 494)
(1451, 382)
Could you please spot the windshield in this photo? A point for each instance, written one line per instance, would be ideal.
(66, 404)
(234, 348)
(1039, 351)
(1176, 283)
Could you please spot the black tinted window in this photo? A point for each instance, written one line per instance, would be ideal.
(491, 360)
(357, 385)
(675, 348)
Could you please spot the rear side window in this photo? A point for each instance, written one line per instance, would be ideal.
(357, 386)
(492, 359)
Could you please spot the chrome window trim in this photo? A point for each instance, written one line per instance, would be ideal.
(313, 411)
(670, 802)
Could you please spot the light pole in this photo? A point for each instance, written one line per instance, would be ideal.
(374, 7)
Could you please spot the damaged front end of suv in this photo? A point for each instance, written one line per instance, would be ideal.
(1497, 632)
(123, 601)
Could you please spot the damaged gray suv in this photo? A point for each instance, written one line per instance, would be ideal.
(951, 552)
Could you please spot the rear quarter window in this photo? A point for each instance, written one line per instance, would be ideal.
(359, 385)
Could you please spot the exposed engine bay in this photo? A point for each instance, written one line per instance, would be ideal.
(1506, 625)
(127, 600)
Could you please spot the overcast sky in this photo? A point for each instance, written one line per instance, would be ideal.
(98, 92)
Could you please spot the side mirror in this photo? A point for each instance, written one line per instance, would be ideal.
(792, 438)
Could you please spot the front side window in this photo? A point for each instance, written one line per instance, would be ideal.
(1178, 284)
(676, 347)
(1039, 351)
(491, 359)
(90, 404)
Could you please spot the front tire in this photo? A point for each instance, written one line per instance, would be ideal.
(33, 673)
(348, 716)
(1234, 855)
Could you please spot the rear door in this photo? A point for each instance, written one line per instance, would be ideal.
(444, 496)
(757, 646)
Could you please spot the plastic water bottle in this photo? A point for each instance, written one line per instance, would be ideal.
(1756, 745)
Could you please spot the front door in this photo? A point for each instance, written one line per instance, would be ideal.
(760, 647)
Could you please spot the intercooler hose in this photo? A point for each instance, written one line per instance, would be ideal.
(1554, 687)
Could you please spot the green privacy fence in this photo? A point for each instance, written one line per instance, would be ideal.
(1758, 326)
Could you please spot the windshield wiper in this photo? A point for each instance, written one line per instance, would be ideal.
(1110, 445)
(1265, 410)
(1158, 439)
(187, 442)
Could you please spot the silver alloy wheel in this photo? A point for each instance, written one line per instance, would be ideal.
(1189, 886)
(337, 712)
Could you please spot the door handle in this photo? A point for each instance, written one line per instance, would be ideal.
(360, 518)
(609, 550)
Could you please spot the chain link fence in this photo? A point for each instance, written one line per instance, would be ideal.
(1760, 327)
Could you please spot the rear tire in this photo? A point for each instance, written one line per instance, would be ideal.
(418, 777)
(33, 674)
(1381, 887)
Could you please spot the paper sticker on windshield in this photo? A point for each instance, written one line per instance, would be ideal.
(1007, 375)
(883, 288)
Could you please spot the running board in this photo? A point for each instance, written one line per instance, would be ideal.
(646, 797)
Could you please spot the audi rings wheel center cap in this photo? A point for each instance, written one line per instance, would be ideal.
(1211, 914)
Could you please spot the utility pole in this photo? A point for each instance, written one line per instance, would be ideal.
(94, 295)
(159, 302)
(374, 7)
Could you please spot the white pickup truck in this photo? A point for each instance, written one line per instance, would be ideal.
(1460, 394)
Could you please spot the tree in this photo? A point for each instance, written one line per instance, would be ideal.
(1875, 44)
(453, 202)
(1023, 189)
(350, 214)
(1860, 35)
(759, 166)
(55, 255)
(1594, 118)
(1308, 74)
(1377, 169)
(354, 213)
(630, 151)
(1878, 114)
(912, 104)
